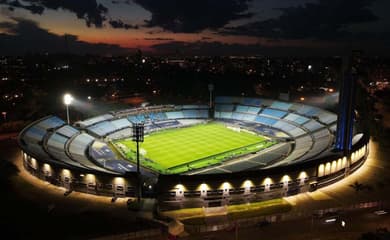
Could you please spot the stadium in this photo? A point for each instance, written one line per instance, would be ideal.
(236, 150)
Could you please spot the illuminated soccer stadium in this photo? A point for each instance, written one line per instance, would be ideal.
(240, 150)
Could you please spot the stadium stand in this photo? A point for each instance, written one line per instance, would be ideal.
(265, 120)
(94, 120)
(311, 128)
(78, 147)
(120, 123)
(308, 131)
(33, 135)
(273, 113)
(313, 125)
(101, 129)
(174, 115)
(296, 118)
(124, 133)
(84, 157)
(67, 131)
(280, 105)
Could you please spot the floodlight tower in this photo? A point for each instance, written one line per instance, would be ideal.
(211, 89)
(138, 136)
(211, 110)
(346, 114)
(68, 99)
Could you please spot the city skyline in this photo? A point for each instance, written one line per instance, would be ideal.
(206, 27)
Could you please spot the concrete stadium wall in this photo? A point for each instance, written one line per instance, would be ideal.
(220, 189)
(183, 191)
(96, 183)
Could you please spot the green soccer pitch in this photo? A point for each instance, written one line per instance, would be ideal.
(179, 150)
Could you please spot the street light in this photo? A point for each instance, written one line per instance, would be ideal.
(67, 101)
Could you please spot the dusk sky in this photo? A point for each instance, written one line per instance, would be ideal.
(215, 27)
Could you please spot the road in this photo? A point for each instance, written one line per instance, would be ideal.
(308, 228)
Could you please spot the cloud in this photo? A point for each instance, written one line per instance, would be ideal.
(158, 39)
(121, 1)
(34, 9)
(25, 36)
(325, 19)
(119, 24)
(189, 16)
(89, 10)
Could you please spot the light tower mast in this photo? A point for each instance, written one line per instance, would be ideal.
(211, 107)
(138, 136)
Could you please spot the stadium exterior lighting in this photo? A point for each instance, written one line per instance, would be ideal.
(4, 116)
(138, 136)
(343, 223)
(68, 99)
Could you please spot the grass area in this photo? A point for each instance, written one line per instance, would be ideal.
(195, 216)
(182, 149)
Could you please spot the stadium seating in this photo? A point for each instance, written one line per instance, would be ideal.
(281, 105)
(123, 133)
(296, 118)
(104, 128)
(190, 113)
(51, 122)
(174, 115)
(224, 108)
(101, 129)
(32, 138)
(273, 113)
(67, 131)
(120, 123)
(309, 130)
(265, 120)
(94, 120)
(78, 148)
(310, 127)
(55, 146)
(33, 135)
(327, 118)
(243, 109)
(313, 125)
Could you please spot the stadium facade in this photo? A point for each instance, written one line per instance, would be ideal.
(82, 156)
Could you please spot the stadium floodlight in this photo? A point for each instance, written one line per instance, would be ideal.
(68, 99)
(138, 136)
(211, 89)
